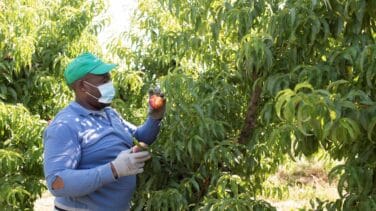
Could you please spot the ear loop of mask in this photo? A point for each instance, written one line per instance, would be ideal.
(97, 98)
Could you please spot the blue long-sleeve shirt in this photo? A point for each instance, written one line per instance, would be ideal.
(79, 144)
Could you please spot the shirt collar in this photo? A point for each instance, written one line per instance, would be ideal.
(82, 110)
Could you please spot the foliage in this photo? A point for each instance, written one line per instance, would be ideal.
(247, 82)
(37, 39)
(298, 73)
(20, 155)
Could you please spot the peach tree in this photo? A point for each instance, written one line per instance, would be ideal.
(248, 82)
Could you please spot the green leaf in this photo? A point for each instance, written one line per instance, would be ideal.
(351, 127)
(303, 85)
(336, 84)
(371, 129)
(282, 98)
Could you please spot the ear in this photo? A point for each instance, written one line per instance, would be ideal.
(78, 86)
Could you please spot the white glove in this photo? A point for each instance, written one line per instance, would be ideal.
(127, 163)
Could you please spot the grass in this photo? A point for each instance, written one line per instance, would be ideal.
(297, 182)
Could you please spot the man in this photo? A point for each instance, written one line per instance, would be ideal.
(88, 159)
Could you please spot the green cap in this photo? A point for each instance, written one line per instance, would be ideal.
(84, 64)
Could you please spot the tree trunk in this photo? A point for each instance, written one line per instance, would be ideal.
(251, 116)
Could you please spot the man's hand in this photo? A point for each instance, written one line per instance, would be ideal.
(127, 163)
(157, 103)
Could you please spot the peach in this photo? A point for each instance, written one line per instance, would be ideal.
(156, 102)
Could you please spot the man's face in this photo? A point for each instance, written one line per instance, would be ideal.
(88, 86)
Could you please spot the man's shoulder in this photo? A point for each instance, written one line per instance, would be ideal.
(66, 116)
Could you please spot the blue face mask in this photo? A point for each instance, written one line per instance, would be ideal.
(107, 91)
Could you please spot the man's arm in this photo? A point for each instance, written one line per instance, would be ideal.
(62, 153)
(146, 132)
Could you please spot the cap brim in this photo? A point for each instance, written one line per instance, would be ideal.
(102, 69)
